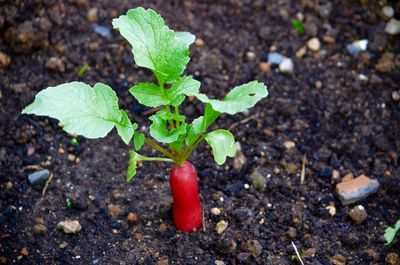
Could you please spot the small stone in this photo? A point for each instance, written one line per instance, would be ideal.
(239, 161)
(358, 214)
(348, 177)
(331, 209)
(309, 253)
(55, 64)
(328, 39)
(335, 174)
(63, 245)
(244, 258)
(3, 260)
(92, 15)
(139, 236)
(70, 226)
(392, 258)
(45, 24)
(39, 229)
(71, 157)
(338, 260)
(115, 210)
(132, 218)
(357, 189)
(388, 12)
(392, 27)
(314, 44)
(215, 211)
(61, 150)
(254, 248)
(199, 42)
(385, 63)
(301, 52)
(219, 262)
(286, 66)
(259, 182)
(396, 95)
(24, 251)
(276, 58)
(292, 232)
(5, 60)
(39, 177)
(318, 84)
(289, 144)
(221, 226)
(163, 261)
(251, 56)
(325, 10)
(163, 227)
(265, 67)
(101, 30)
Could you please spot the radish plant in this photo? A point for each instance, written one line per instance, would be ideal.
(93, 111)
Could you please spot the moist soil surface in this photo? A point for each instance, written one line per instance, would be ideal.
(338, 110)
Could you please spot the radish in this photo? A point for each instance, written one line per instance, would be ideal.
(93, 111)
(186, 209)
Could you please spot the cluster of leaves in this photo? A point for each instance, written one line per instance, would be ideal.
(94, 112)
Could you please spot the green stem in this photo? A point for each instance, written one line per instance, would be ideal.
(162, 159)
(177, 113)
(190, 150)
(159, 149)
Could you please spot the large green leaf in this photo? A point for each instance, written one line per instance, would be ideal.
(183, 86)
(238, 99)
(148, 94)
(83, 110)
(160, 132)
(222, 143)
(390, 232)
(154, 45)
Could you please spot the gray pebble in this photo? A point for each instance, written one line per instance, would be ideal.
(39, 177)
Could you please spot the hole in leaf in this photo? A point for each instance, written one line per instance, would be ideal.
(252, 94)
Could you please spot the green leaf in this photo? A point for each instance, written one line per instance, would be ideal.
(298, 26)
(390, 232)
(238, 99)
(183, 86)
(201, 124)
(165, 114)
(83, 110)
(148, 94)
(222, 144)
(138, 140)
(186, 37)
(154, 45)
(133, 159)
(159, 131)
(125, 128)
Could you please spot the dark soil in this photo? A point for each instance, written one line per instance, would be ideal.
(339, 121)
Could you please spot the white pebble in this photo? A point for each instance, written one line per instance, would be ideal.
(388, 11)
(392, 27)
(314, 44)
(286, 66)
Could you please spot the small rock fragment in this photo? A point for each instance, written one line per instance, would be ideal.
(215, 211)
(335, 174)
(289, 144)
(3, 260)
(38, 177)
(395, 95)
(92, 15)
(358, 214)
(265, 67)
(239, 161)
(292, 232)
(70, 226)
(132, 218)
(338, 260)
(221, 226)
(385, 63)
(39, 229)
(286, 66)
(115, 210)
(251, 56)
(392, 27)
(276, 58)
(388, 12)
(348, 177)
(301, 52)
(163, 227)
(331, 209)
(259, 181)
(357, 46)
(356, 189)
(254, 248)
(392, 258)
(219, 262)
(63, 245)
(163, 261)
(314, 44)
(5, 60)
(55, 64)
(24, 251)
(101, 30)
(199, 42)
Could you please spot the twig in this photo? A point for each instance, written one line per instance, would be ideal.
(46, 185)
(235, 124)
(297, 253)
(30, 167)
(151, 111)
(303, 169)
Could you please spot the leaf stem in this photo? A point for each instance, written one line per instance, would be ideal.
(177, 113)
(162, 159)
(190, 150)
(160, 149)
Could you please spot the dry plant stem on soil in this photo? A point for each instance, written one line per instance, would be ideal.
(93, 111)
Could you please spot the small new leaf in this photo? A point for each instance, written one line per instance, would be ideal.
(222, 144)
(138, 140)
(131, 172)
(148, 94)
(238, 99)
(159, 131)
(390, 232)
(154, 45)
(183, 86)
(83, 110)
